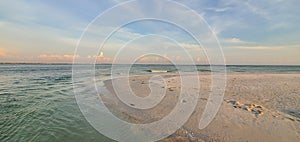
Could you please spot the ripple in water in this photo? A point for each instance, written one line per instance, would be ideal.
(37, 104)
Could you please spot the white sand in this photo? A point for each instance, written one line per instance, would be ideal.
(256, 107)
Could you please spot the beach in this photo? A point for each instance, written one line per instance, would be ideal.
(256, 107)
(261, 103)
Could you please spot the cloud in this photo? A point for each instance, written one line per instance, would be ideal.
(65, 57)
(254, 8)
(100, 58)
(223, 9)
(244, 25)
(35, 39)
(190, 46)
(2, 53)
(234, 41)
(154, 59)
(101, 54)
(8, 57)
(259, 47)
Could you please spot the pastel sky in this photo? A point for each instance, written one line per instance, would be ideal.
(249, 31)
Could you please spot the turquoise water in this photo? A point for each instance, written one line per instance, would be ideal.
(37, 104)
(37, 101)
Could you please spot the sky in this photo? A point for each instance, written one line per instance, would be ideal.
(248, 31)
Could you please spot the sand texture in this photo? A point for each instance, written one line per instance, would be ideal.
(256, 108)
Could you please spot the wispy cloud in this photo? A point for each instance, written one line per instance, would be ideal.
(190, 46)
(259, 47)
(222, 9)
(50, 30)
(234, 41)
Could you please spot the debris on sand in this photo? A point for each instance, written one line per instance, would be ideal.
(254, 108)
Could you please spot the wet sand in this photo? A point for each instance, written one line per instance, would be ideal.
(256, 107)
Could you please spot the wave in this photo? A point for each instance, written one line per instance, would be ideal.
(158, 71)
(204, 70)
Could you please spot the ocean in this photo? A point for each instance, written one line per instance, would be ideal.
(37, 102)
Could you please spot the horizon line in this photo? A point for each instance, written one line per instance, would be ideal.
(55, 63)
